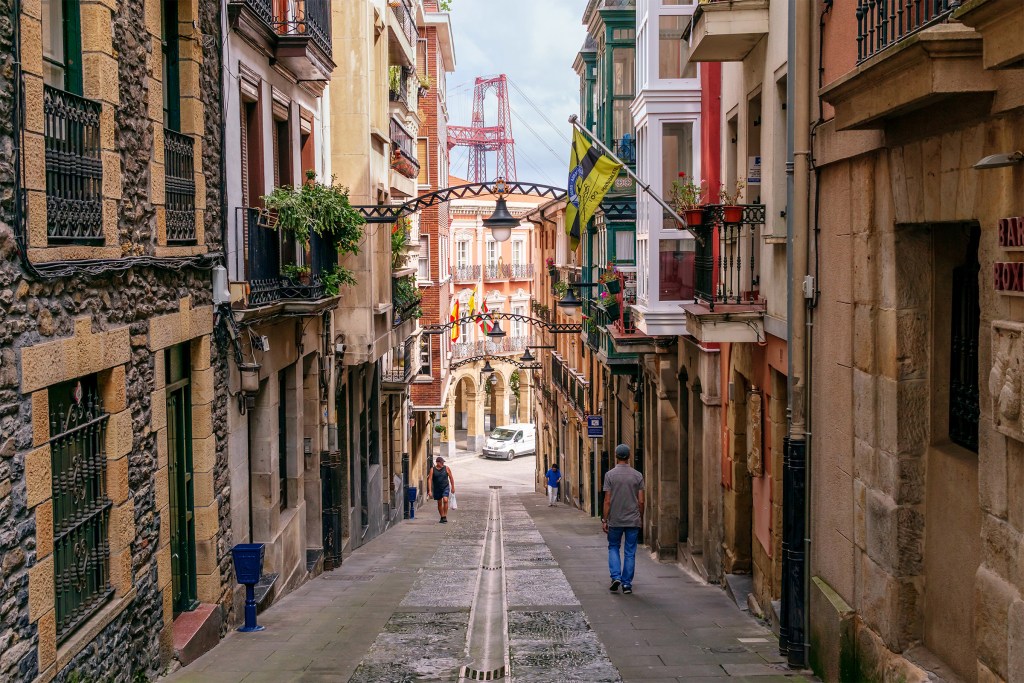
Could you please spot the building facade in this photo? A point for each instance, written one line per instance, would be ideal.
(114, 484)
(916, 515)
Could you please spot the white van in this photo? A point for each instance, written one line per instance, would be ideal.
(511, 440)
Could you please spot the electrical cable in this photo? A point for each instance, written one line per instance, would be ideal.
(539, 111)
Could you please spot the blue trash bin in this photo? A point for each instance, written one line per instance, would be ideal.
(248, 561)
(411, 494)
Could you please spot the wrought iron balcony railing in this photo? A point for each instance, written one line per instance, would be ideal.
(521, 271)
(398, 363)
(180, 187)
(403, 13)
(404, 151)
(400, 78)
(725, 263)
(405, 298)
(497, 271)
(572, 385)
(487, 347)
(883, 23)
(74, 168)
(625, 149)
(466, 273)
(264, 9)
(308, 17)
(267, 283)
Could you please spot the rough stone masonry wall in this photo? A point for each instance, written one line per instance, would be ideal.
(34, 311)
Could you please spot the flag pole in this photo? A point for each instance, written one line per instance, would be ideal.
(575, 121)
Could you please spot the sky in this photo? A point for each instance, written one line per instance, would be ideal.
(533, 42)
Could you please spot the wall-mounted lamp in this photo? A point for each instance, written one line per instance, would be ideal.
(501, 221)
(999, 160)
(250, 381)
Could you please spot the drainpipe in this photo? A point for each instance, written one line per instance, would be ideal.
(795, 555)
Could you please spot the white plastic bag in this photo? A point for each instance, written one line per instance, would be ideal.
(452, 505)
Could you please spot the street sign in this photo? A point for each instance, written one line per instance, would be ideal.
(595, 426)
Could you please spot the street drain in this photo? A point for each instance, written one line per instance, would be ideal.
(474, 675)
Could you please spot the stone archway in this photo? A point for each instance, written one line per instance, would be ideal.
(467, 408)
(496, 401)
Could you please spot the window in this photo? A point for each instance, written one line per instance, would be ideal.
(62, 45)
(518, 251)
(171, 69)
(81, 509)
(675, 270)
(424, 258)
(623, 71)
(518, 325)
(492, 253)
(625, 245)
(676, 158)
(423, 157)
(282, 437)
(672, 61)
(425, 368)
(462, 253)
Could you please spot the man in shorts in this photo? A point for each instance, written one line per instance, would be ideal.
(441, 485)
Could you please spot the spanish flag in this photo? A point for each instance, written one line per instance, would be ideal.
(591, 175)
(453, 319)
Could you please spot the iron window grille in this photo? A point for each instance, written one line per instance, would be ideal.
(74, 169)
(180, 187)
(81, 509)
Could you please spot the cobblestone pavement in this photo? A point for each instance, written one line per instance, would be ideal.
(399, 608)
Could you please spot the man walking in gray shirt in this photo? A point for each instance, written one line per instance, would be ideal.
(623, 518)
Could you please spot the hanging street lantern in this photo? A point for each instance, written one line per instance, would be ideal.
(496, 332)
(570, 302)
(487, 369)
(501, 221)
(527, 357)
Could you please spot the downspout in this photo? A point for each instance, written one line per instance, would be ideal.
(794, 624)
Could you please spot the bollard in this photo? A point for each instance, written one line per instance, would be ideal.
(411, 495)
(248, 560)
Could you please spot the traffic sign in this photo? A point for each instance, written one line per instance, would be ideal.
(595, 426)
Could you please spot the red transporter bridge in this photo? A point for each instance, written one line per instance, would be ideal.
(482, 139)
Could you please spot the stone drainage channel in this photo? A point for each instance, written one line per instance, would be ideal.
(491, 604)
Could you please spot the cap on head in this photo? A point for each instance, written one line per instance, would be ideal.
(622, 452)
(439, 459)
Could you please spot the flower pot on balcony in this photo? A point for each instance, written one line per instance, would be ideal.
(613, 286)
(732, 214)
(612, 309)
(694, 217)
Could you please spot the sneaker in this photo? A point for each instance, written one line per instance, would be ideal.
(444, 520)
(627, 590)
(614, 588)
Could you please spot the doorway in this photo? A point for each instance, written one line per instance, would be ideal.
(177, 370)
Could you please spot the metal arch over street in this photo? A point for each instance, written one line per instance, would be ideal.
(554, 328)
(389, 213)
(497, 359)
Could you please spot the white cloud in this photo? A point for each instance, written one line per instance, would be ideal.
(534, 42)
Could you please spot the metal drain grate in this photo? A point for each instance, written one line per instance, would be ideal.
(474, 675)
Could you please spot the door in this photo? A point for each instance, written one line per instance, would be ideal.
(180, 479)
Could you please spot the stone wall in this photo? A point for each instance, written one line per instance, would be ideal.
(35, 311)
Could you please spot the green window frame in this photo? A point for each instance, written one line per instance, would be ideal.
(62, 45)
(81, 508)
(181, 480)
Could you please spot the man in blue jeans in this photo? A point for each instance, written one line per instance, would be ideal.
(623, 517)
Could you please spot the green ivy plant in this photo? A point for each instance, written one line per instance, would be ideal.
(323, 209)
(513, 383)
(399, 238)
(445, 5)
(405, 294)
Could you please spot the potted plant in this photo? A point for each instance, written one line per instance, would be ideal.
(323, 209)
(560, 288)
(687, 198)
(610, 304)
(440, 429)
(297, 273)
(399, 238)
(610, 279)
(550, 263)
(732, 212)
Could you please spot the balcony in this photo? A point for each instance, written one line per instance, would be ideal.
(466, 273)
(403, 156)
(1001, 24)
(910, 60)
(726, 30)
(74, 169)
(521, 271)
(572, 385)
(402, 33)
(625, 149)
(398, 364)
(299, 40)
(401, 80)
(405, 300)
(485, 347)
(269, 253)
(497, 271)
(179, 187)
(728, 306)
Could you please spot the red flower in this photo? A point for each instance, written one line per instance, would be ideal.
(682, 174)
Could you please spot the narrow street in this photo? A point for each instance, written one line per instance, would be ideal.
(408, 606)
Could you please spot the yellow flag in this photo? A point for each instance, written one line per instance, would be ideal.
(591, 174)
(471, 308)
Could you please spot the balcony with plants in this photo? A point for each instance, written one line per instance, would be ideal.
(398, 364)
(404, 163)
(293, 247)
(942, 63)
(402, 32)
